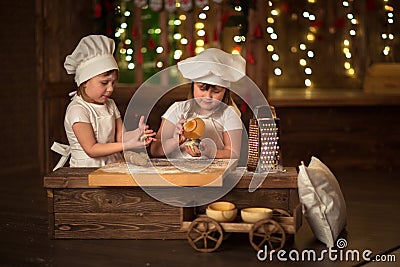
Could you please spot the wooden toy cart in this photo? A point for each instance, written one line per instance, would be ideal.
(278, 191)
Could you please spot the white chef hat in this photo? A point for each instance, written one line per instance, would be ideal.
(214, 66)
(92, 56)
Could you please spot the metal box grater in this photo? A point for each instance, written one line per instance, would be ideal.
(264, 146)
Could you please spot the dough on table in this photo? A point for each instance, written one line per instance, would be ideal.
(136, 158)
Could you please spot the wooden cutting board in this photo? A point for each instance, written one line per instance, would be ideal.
(163, 172)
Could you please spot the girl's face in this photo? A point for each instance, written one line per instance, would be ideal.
(99, 88)
(208, 96)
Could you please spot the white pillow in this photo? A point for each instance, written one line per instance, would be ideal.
(322, 201)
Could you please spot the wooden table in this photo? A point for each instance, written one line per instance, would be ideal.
(78, 210)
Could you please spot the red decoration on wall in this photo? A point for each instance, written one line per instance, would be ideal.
(190, 48)
(98, 10)
(109, 29)
(215, 35)
(167, 48)
(317, 23)
(285, 8)
(151, 44)
(135, 32)
(186, 5)
(156, 5)
(170, 5)
(250, 57)
(139, 57)
(109, 5)
(140, 3)
(224, 20)
(205, 38)
(104, 16)
(257, 31)
(201, 3)
(371, 5)
(339, 23)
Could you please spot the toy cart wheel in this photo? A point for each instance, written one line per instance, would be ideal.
(205, 235)
(280, 213)
(267, 232)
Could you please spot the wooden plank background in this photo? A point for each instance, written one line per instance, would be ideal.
(344, 137)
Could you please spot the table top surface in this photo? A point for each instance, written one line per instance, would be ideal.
(67, 177)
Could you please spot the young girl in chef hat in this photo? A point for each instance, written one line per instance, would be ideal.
(211, 72)
(93, 123)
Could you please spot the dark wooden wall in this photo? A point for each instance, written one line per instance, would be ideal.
(343, 137)
(18, 93)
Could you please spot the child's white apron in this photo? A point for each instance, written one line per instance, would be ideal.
(104, 129)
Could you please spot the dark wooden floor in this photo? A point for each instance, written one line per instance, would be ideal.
(373, 223)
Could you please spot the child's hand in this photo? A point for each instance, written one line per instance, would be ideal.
(139, 138)
(208, 148)
(192, 148)
(178, 134)
(146, 133)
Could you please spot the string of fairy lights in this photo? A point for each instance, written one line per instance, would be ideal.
(177, 34)
(200, 29)
(126, 49)
(347, 41)
(309, 54)
(388, 36)
(273, 36)
(304, 48)
(305, 53)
